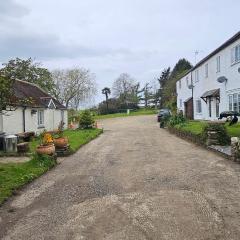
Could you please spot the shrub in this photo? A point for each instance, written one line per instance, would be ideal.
(86, 119)
(221, 132)
(176, 119)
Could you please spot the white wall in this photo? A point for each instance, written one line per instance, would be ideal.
(209, 83)
(13, 122)
(1, 123)
(183, 93)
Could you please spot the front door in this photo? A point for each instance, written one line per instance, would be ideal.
(188, 107)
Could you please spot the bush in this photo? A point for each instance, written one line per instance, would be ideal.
(86, 119)
(221, 132)
(176, 120)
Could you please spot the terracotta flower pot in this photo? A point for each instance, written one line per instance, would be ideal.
(60, 142)
(46, 149)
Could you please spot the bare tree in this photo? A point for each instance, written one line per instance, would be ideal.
(73, 86)
(126, 89)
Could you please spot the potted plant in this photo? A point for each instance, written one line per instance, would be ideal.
(46, 146)
(60, 141)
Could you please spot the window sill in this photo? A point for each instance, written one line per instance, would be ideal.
(40, 127)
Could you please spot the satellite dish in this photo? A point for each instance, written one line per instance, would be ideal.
(222, 79)
(190, 86)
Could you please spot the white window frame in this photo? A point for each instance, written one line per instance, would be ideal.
(62, 115)
(180, 84)
(206, 70)
(41, 118)
(230, 102)
(187, 83)
(235, 54)
(198, 106)
(218, 61)
(180, 103)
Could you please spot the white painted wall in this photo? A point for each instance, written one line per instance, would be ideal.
(183, 91)
(209, 83)
(13, 121)
(1, 123)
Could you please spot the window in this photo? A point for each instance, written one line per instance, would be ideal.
(218, 64)
(235, 52)
(230, 102)
(40, 117)
(206, 70)
(198, 106)
(235, 102)
(210, 107)
(187, 81)
(217, 108)
(180, 84)
(62, 116)
(180, 103)
(196, 76)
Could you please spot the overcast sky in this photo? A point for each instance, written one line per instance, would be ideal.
(109, 37)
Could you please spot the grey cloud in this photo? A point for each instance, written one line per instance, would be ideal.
(49, 46)
(9, 8)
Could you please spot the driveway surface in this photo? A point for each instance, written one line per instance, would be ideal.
(136, 181)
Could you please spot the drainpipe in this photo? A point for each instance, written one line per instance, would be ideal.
(192, 95)
(24, 119)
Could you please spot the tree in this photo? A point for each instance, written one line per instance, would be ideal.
(126, 89)
(6, 86)
(164, 77)
(148, 95)
(86, 119)
(73, 86)
(168, 92)
(29, 71)
(106, 91)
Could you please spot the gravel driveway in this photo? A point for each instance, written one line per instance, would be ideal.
(136, 181)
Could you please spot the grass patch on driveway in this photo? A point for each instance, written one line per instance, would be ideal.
(15, 175)
(133, 113)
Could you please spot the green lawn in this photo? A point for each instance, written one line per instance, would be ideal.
(196, 127)
(76, 138)
(15, 175)
(132, 113)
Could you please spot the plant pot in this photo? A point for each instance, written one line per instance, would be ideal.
(46, 149)
(60, 142)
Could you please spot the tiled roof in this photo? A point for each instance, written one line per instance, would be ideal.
(37, 97)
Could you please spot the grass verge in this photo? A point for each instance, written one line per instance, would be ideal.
(196, 127)
(76, 138)
(133, 113)
(15, 175)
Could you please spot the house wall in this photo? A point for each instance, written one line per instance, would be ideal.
(13, 121)
(1, 123)
(183, 92)
(209, 83)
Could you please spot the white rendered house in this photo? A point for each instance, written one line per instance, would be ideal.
(41, 111)
(213, 84)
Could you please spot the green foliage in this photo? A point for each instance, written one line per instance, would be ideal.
(29, 71)
(168, 91)
(5, 92)
(176, 120)
(137, 112)
(15, 175)
(220, 129)
(86, 120)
